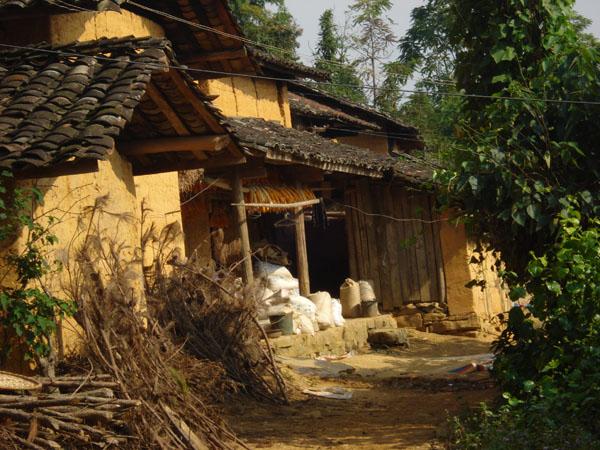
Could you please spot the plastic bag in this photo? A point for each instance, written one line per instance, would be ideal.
(336, 312)
(277, 284)
(322, 301)
(302, 305)
(265, 269)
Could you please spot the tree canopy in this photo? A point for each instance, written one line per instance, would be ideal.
(268, 22)
(332, 56)
(525, 176)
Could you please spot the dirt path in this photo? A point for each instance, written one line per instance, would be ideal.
(389, 409)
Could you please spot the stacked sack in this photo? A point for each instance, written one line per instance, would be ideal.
(281, 296)
(329, 310)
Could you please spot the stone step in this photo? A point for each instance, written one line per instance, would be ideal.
(333, 341)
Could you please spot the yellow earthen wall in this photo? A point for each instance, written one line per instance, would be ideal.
(457, 252)
(85, 26)
(377, 144)
(70, 199)
(248, 97)
(158, 195)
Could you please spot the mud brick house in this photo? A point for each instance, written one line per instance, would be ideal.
(134, 128)
(386, 227)
(434, 259)
(94, 109)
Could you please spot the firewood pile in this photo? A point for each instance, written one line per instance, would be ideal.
(216, 319)
(69, 411)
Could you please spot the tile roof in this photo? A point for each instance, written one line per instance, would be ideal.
(55, 107)
(60, 104)
(285, 67)
(326, 106)
(279, 143)
(195, 47)
(306, 107)
(190, 42)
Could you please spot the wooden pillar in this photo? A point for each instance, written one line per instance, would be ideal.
(301, 254)
(242, 225)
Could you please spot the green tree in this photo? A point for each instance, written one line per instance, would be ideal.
(373, 40)
(526, 178)
(425, 49)
(331, 57)
(427, 57)
(270, 23)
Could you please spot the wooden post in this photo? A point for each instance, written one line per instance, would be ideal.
(301, 254)
(242, 225)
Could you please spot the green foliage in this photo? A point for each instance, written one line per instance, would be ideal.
(521, 162)
(331, 56)
(436, 119)
(532, 427)
(426, 55)
(272, 26)
(425, 48)
(551, 349)
(27, 312)
(526, 177)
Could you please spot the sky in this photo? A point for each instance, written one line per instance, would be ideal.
(307, 14)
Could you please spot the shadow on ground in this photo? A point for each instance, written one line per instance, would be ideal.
(393, 406)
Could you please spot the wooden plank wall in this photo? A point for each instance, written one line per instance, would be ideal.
(402, 257)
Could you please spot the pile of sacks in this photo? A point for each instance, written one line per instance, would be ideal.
(280, 296)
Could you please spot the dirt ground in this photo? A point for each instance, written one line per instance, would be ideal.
(400, 399)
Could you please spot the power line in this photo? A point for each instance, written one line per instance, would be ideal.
(242, 38)
(322, 83)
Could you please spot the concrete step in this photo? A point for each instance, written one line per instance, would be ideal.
(333, 341)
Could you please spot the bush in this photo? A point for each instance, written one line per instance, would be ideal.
(532, 427)
(551, 350)
(28, 312)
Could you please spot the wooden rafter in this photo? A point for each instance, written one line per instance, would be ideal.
(166, 108)
(209, 143)
(196, 103)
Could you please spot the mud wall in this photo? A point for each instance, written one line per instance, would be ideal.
(249, 97)
(463, 264)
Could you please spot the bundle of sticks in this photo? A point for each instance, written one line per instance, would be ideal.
(69, 411)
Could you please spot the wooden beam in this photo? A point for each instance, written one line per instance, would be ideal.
(301, 253)
(242, 227)
(76, 167)
(279, 205)
(215, 162)
(166, 108)
(210, 143)
(216, 56)
(222, 184)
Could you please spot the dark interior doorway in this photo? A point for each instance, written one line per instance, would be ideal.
(326, 247)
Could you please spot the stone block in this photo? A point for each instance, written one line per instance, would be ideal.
(454, 324)
(409, 309)
(433, 317)
(335, 340)
(410, 321)
(389, 337)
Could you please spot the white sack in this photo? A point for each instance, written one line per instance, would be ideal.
(303, 325)
(265, 269)
(276, 283)
(336, 312)
(322, 301)
(302, 305)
